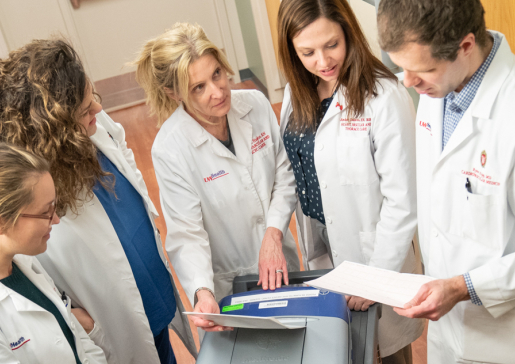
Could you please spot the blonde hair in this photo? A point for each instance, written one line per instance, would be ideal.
(164, 62)
(18, 168)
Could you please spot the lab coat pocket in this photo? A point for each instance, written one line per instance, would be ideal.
(483, 219)
(355, 162)
(367, 241)
(487, 339)
(267, 149)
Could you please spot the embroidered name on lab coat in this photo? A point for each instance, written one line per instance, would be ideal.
(18, 344)
(259, 142)
(359, 124)
(481, 177)
(216, 175)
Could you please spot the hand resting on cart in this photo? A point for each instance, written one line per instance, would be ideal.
(272, 263)
(356, 303)
(206, 303)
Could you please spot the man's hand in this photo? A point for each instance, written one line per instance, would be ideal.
(206, 303)
(84, 319)
(358, 303)
(271, 259)
(435, 299)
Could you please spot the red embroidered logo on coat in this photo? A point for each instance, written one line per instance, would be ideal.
(259, 142)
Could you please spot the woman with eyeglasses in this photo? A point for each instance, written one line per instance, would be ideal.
(36, 324)
(106, 253)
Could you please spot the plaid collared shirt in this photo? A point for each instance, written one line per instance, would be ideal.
(457, 103)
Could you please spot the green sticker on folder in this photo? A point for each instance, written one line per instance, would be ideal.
(232, 307)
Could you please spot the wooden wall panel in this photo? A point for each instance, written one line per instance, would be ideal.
(500, 16)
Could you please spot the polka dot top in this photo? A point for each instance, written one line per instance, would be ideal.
(300, 147)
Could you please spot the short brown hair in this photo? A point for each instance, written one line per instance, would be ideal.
(441, 24)
(360, 70)
(18, 168)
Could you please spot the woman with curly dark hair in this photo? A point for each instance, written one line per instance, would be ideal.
(106, 254)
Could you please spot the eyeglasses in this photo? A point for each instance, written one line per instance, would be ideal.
(48, 216)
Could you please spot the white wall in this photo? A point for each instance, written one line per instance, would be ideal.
(107, 33)
(367, 18)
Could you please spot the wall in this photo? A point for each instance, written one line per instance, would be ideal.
(110, 32)
(250, 38)
(500, 16)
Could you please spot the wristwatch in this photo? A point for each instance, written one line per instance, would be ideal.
(195, 298)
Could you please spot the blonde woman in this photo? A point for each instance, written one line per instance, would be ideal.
(36, 323)
(106, 253)
(226, 185)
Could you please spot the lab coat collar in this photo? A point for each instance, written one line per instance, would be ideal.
(241, 132)
(104, 141)
(338, 105)
(495, 76)
(25, 263)
(483, 102)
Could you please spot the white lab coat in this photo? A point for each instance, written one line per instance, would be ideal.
(86, 260)
(31, 335)
(217, 206)
(472, 232)
(366, 172)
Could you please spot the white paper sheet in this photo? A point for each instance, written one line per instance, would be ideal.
(273, 296)
(251, 322)
(379, 285)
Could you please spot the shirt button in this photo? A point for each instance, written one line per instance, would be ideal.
(302, 135)
(72, 325)
(328, 220)
(335, 254)
(320, 146)
(260, 221)
(58, 340)
(323, 185)
(303, 192)
(435, 233)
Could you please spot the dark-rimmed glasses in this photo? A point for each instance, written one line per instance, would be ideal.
(48, 216)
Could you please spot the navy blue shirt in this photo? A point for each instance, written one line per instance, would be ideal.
(300, 147)
(130, 220)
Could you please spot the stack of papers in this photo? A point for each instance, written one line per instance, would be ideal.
(251, 322)
(379, 285)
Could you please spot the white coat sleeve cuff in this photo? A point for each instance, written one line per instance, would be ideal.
(278, 223)
(490, 294)
(197, 283)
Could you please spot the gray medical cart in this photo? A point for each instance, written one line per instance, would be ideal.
(327, 340)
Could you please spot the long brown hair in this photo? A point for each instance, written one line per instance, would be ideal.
(42, 86)
(360, 69)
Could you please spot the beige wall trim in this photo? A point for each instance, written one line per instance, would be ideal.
(119, 92)
(274, 80)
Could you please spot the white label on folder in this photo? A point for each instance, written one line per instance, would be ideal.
(275, 296)
(273, 304)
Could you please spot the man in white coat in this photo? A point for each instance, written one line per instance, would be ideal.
(465, 173)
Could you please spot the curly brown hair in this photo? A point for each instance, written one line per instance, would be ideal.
(42, 86)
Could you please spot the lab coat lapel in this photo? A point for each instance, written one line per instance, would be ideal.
(436, 119)
(39, 280)
(110, 147)
(241, 131)
(338, 105)
(462, 132)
